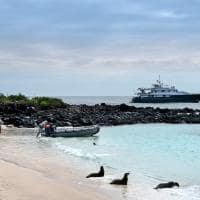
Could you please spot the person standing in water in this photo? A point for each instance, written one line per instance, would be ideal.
(1, 123)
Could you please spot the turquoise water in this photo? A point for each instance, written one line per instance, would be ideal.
(152, 153)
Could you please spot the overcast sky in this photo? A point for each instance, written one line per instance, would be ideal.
(98, 47)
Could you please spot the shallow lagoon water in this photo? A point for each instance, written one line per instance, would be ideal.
(152, 153)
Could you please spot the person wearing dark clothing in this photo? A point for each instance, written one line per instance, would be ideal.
(49, 130)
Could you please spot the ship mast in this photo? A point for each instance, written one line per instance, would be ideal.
(159, 81)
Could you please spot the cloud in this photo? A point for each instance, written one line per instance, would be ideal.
(169, 14)
(97, 39)
(99, 62)
(50, 19)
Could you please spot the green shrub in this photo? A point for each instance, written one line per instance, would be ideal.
(41, 102)
(17, 98)
(2, 98)
(47, 102)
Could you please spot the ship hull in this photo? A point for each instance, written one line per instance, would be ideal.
(188, 98)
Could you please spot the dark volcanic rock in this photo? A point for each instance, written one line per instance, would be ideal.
(125, 108)
(103, 114)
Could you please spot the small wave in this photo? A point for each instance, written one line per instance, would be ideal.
(79, 152)
(41, 139)
(110, 167)
(102, 154)
(162, 179)
(189, 192)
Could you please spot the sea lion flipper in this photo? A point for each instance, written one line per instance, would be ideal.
(90, 175)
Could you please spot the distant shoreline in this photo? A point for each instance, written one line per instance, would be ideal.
(24, 115)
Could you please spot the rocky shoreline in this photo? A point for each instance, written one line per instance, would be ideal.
(23, 115)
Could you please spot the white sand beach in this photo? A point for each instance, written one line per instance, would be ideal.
(29, 174)
(18, 183)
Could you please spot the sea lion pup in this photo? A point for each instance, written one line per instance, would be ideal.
(98, 174)
(122, 181)
(166, 185)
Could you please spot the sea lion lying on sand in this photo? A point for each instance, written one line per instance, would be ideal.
(166, 185)
(98, 174)
(122, 181)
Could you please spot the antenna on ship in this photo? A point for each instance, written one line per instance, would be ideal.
(159, 81)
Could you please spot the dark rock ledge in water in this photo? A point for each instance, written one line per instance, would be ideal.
(22, 115)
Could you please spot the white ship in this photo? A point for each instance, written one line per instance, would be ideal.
(160, 93)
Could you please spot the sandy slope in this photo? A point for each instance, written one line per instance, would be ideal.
(19, 183)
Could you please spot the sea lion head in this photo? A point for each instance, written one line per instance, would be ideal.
(101, 170)
(175, 184)
(126, 174)
(125, 178)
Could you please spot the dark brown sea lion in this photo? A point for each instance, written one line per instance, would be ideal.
(166, 185)
(98, 174)
(122, 181)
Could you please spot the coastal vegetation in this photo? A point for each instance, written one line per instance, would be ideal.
(47, 102)
(40, 102)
